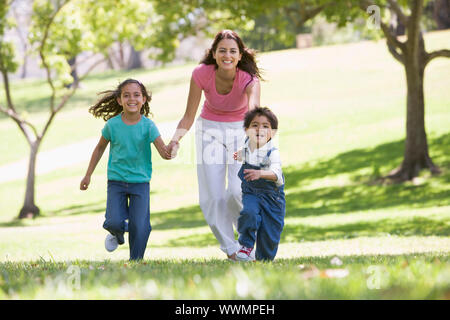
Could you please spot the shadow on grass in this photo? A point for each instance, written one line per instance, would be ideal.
(74, 210)
(360, 194)
(357, 195)
(418, 226)
(187, 217)
(382, 158)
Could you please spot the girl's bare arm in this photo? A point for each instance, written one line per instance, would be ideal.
(95, 158)
(163, 150)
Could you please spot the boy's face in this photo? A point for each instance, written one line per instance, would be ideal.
(260, 131)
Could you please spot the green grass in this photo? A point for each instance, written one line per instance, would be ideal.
(406, 277)
(342, 125)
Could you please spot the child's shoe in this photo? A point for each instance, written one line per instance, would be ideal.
(111, 243)
(244, 254)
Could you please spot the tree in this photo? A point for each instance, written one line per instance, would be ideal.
(411, 53)
(52, 40)
(59, 31)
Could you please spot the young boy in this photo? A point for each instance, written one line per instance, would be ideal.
(262, 217)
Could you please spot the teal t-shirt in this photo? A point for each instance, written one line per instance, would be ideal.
(130, 154)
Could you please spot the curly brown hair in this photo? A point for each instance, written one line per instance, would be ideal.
(107, 106)
(248, 60)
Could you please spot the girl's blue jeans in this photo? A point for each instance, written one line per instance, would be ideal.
(129, 201)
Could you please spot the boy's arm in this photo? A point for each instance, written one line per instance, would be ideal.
(274, 173)
(163, 150)
(253, 174)
(95, 158)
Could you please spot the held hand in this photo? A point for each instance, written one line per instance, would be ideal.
(85, 183)
(252, 174)
(237, 155)
(173, 149)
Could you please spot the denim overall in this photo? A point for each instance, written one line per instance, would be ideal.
(262, 217)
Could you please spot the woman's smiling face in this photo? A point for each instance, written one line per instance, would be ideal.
(227, 54)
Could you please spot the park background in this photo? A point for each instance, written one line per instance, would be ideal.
(341, 102)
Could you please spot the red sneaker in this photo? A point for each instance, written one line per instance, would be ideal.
(244, 254)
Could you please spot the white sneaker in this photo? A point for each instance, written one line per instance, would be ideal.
(244, 254)
(111, 243)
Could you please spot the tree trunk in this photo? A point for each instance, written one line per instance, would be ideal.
(416, 156)
(72, 62)
(134, 61)
(29, 209)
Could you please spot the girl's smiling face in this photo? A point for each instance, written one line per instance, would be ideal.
(259, 131)
(131, 98)
(227, 54)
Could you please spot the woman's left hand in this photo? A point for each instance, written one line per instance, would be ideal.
(252, 174)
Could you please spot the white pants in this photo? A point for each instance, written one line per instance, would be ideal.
(221, 203)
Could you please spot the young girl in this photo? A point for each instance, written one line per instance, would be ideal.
(130, 132)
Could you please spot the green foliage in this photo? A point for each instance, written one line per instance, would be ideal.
(117, 21)
(55, 35)
(7, 52)
(269, 32)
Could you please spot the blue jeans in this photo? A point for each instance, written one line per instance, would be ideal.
(129, 201)
(261, 220)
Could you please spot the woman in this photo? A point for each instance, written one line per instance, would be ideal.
(229, 77)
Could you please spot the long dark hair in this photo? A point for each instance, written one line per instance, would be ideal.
(108, 107)
(248, 60)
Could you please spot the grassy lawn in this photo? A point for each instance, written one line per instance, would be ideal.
(342, 124)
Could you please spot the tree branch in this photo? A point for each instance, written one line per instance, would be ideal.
(67, 96)
(7, 88)
(303, 13)
(103, 59)
(42, 56)
(393, 4)
(20, 122)
(394, 44)
(10, 111)
(444, 53)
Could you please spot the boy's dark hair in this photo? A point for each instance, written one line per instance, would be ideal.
(260, 111)
(107, 106)
(248, 60)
